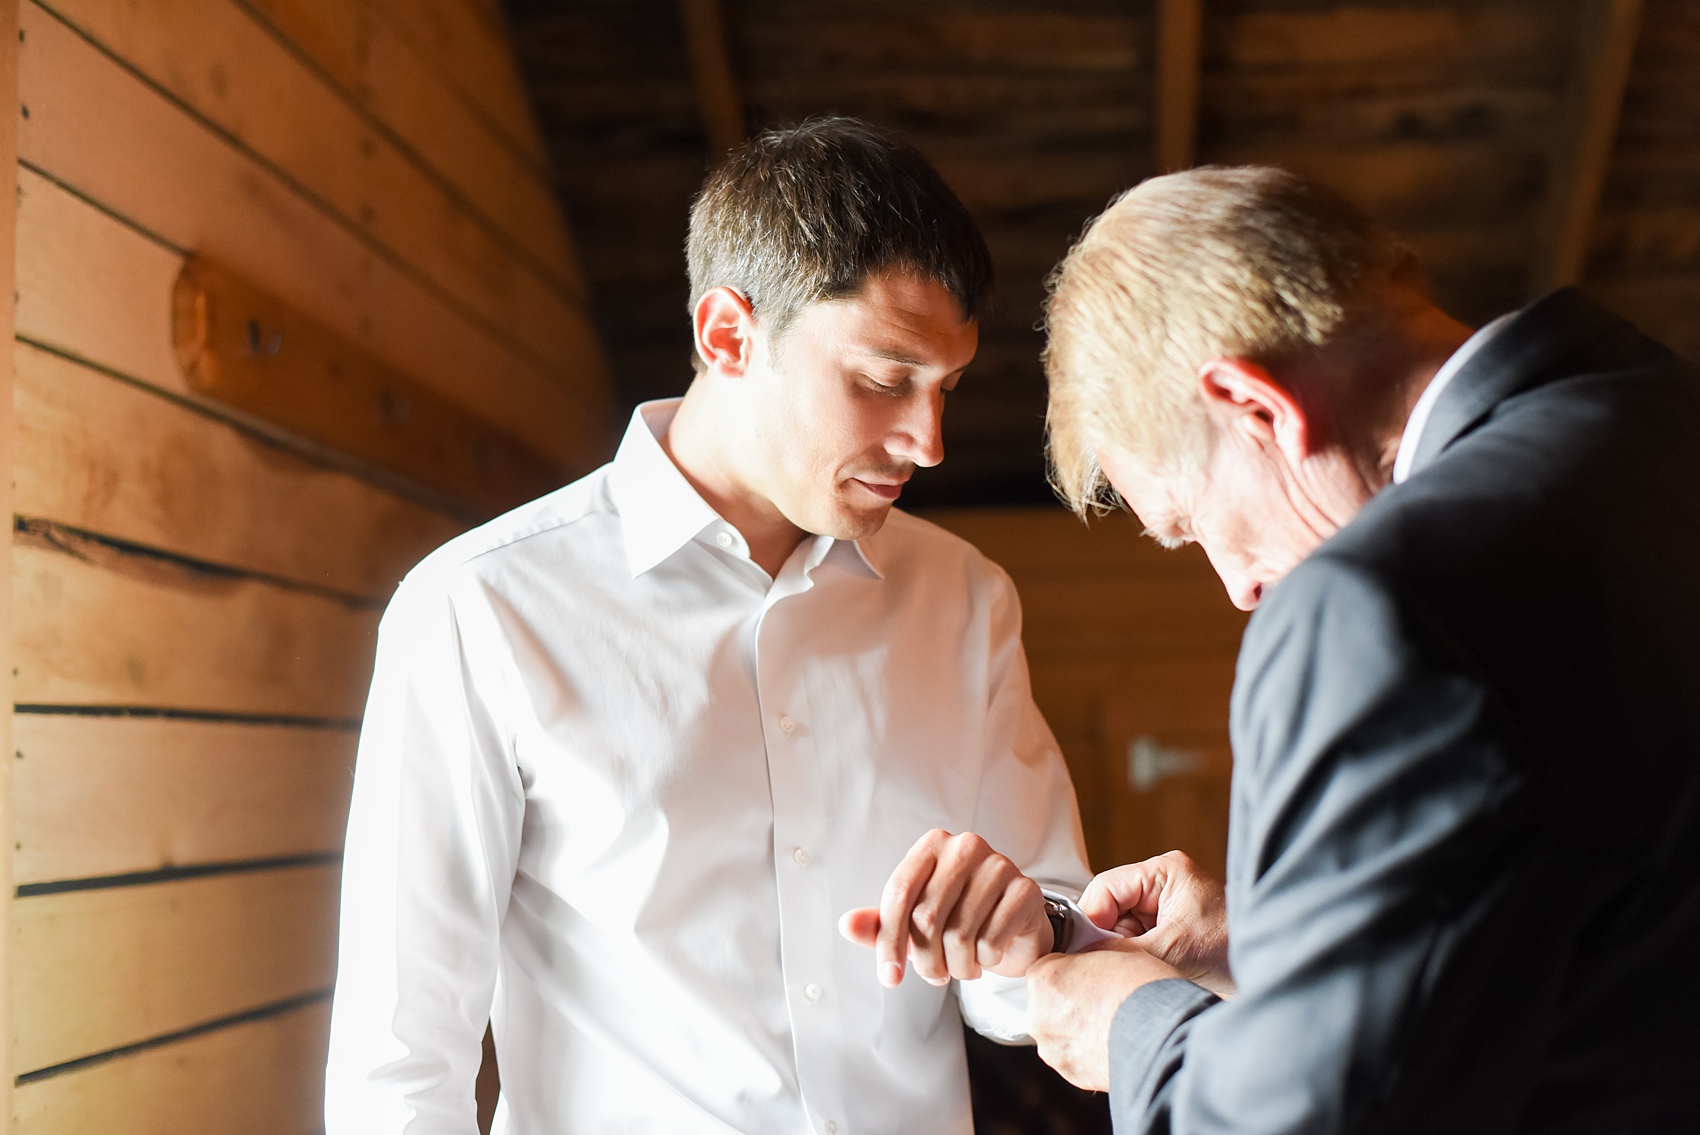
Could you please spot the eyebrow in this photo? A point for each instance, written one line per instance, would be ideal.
(893, 355)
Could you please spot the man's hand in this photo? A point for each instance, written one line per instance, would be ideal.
(1072, 998)
(953, 908)
(1174, 911)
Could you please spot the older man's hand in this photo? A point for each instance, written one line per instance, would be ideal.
(1072, 998)
(953, 908)
(1175, 912)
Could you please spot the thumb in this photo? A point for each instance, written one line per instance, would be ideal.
(861, 926)
(1131, 889)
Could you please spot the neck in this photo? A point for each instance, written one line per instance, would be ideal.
(1425, 341)
(700, 441)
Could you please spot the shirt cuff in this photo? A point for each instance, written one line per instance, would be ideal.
(1141, 1028)
(1081, 931)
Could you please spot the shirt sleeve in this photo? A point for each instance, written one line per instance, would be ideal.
(1377, 813)
(433, 839)
(1027, 809)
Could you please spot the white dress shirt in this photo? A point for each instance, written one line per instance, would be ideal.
(1418, 421)
(615, 787)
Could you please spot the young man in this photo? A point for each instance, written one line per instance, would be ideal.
(1463, 884)
(633, 748)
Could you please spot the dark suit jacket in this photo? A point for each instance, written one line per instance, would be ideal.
(1464, 853)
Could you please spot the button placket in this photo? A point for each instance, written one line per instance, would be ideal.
(807, 921)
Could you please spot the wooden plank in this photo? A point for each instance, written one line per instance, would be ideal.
(98, 128)
(805, 39)
(263, 1077)
(100, 290)
(94, 286)
(475, 58)
(12, 112)
(105, 627)
(1180, 39)
(1605, 49)
(1413, 184)
(99, 796)
(219, 61)
(101, 969)
(370, 63)
(109, 457)
(718, 102)
(248, 350)
(1387, 35)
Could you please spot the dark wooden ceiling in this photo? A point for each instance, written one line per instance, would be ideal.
(1458, 122)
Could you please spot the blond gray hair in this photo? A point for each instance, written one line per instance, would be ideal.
(1247, 262)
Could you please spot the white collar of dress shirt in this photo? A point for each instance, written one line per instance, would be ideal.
(659, 510)
(1420, 413)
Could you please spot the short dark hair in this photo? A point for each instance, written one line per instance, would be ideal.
(808, 213)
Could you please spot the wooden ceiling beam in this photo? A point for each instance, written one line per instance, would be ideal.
(718, 101)
(1608, 30)
(1180, 34)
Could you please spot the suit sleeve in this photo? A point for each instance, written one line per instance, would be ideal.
(1373, 792)
(433, 840)
(1027, 808)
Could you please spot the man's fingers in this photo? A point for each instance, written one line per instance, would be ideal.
(960, 861)
(965, 934)
(902, 891)
(861, 926)
(1130, 890)
(1017, 932)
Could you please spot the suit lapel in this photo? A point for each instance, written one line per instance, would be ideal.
(1564, 327)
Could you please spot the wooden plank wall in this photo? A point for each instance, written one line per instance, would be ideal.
(1645, 252)
(195, 604)
(1132, 651)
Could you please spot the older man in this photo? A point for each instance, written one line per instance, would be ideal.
(1463, 883)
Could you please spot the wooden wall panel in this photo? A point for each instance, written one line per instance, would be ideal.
(100, 796)
(108, 628)
(102, 969)
(374, 165)
(92, 286)
(217, 59)
(8, 286)
(105, 456)
(263, 1077)
(472, 53)
(371, 63)
(98, 128)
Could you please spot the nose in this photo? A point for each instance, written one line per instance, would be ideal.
(1243, 591)
(919, 433)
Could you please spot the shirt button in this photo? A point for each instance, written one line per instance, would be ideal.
(812, 991)
(724, 539)
(786, 723)
(831, 1128)
(801, 855)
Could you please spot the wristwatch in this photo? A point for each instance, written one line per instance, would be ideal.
(1057, 911)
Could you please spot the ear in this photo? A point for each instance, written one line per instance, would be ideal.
(1240, 395)
(724, 324)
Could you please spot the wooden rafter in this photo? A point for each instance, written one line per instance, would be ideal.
(1180, 27)
(1606, 49)
(718, 101)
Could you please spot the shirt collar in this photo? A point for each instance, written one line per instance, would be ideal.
(660, 512)
(1424, 409)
